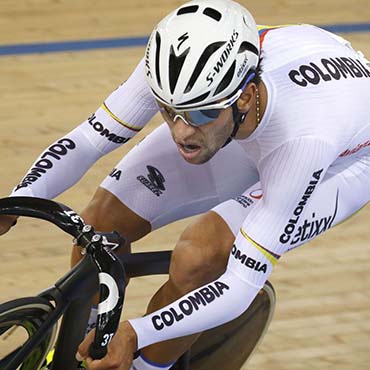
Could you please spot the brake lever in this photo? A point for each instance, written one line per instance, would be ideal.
(112, 240)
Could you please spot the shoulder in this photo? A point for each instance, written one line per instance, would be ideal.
(284, 45)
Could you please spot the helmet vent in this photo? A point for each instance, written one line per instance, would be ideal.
(213, 13)
(188, 9)
(199, 99)
(176, 63)
(157, 54)
(207, 53)
(245, 45)
(226, 79)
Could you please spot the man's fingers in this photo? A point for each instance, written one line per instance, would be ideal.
(83, 348)
(79, 357)
(120, 350)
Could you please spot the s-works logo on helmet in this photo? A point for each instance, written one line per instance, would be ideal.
(223, 58)
(182, 39)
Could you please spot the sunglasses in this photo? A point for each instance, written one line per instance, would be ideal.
(203, 116)
(193, 118)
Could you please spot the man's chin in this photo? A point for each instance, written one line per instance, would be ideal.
(198, 159)
(194, 161)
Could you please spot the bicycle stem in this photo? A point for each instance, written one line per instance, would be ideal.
(112, 283)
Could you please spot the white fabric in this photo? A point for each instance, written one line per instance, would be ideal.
(185, 189)
(344, 189)
(307, 129)
(313, 157)
(228, 297)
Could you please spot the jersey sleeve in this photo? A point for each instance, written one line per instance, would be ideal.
(289, 176)
(209, 306)
(124, 113)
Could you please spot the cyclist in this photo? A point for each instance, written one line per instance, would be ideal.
(261, 126)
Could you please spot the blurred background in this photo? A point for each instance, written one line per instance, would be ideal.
(322, 318)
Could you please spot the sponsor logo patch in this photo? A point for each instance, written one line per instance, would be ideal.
(244, 200)
(46, 161)
(313, 226)
(192, 302)
(248, 261)
(292, 223)
(328, 69)
(103, 131)
(154, 181)
(247, 201)
(116, 174)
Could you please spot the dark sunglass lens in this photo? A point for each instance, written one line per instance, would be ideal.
(198, 118)
(211, 113)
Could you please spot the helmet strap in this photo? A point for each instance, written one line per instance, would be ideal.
(238, 118)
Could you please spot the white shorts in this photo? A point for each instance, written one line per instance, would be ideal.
(160, 186)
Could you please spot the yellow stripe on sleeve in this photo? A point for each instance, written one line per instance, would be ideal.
(273, 258)
(133, 128)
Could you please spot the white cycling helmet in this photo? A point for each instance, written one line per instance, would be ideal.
(199, 55)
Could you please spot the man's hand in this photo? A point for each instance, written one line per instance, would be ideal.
(120, 350)
(6, 222)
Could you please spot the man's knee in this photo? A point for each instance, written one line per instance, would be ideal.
(105, 212)
(201, 254)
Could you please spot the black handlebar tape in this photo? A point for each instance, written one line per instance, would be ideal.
(97, 352)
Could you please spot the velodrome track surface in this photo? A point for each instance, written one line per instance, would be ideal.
(322, 319)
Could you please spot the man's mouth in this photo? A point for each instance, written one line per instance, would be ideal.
(189, 148)
(189, 151)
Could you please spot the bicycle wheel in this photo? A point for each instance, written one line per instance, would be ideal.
(19, 320)
(231, 345)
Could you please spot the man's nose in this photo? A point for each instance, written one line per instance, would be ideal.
(182, 127)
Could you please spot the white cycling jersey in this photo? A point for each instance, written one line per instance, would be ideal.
(312, 153)
(304, 169)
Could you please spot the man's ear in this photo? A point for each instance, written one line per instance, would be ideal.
(245, 100)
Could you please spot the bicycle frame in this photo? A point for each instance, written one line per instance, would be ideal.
(66, 293)
(83, 278)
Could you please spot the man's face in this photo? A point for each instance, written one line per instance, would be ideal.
(198, 145)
